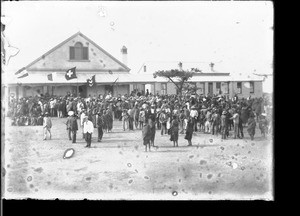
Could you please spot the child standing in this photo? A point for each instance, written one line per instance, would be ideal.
(47, 124)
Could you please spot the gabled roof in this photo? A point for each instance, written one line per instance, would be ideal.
(65, 41)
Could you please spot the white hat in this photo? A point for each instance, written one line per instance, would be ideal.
(70, 113)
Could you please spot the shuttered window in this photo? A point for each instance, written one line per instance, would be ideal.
(252, 87)
(85, 53)
(79, 52)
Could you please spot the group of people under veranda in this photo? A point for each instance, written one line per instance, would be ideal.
(168, 113)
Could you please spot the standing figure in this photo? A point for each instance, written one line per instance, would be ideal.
(181, 121)
(207, 124)
(47, 124)
(88, 129)
(163, 121)
(263, 125)
(136, 117)
(224, 125)
(235, 118)
(125, 119)
(142, 118)
(146, 132)
(194, 115)
(189, 131)
(73, 125)
(100, 126)
(240, 127)
(174, 131)
(152, 129)
(130, 118)
(216, 120)
(251, 126)
(68, 123)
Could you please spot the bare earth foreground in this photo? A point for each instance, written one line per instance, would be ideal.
(118, 167)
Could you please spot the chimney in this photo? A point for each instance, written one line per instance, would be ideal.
(124, 55)
(180, 65)
(212, 67)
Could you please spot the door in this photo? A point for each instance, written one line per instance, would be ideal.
(109, 89)
(82, 91)
(210, 88)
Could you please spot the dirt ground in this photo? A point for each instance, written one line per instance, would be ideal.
(118, 167)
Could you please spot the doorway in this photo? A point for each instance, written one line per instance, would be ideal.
(109, 88)
(82, 90)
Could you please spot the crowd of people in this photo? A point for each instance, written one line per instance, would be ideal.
(171, 114)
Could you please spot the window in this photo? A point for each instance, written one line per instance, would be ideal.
(79, 52)
(239, 87)
(218, 87)
(252, 87)
(164, 88)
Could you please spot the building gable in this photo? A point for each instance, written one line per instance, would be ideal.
(61, 58)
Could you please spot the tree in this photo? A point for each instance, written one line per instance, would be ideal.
(177, 77)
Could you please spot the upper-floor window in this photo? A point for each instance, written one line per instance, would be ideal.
(79, 52)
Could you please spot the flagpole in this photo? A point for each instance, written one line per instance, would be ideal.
(77, 87)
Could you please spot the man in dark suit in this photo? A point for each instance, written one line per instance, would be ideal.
(72, 125)
(100, 126)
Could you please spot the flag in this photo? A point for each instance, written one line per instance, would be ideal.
(115, 81)
(49, 76)
(22, 73)
(71, 74)
(91, 81)
(25, 74)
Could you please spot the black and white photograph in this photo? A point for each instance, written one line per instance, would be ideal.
(137, 100)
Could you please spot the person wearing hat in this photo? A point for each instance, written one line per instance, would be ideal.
(251, 125)
(72, 126)
(47, 124)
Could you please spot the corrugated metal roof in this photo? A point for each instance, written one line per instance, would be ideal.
(103, 77)
(153, 66)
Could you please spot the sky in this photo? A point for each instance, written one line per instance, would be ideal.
(236, 36)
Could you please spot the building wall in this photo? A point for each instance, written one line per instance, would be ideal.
(121, 89)
(59, 58)
(246, 91)
(157, 88)
(171, 88)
